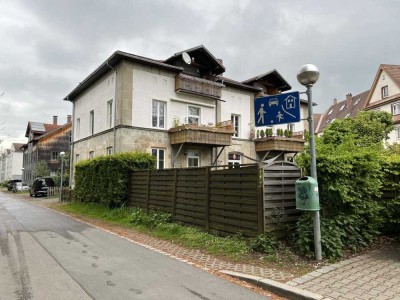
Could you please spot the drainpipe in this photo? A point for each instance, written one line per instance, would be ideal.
(71, 155)
(115, 110)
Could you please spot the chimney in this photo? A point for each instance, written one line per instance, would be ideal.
(349, 97)
(334, 101)
(54, 120)
(69, 119)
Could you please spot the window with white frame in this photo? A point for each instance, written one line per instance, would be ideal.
(396, 108)
(158, 114)
(109, 150)
(385, 92)
(357, 101)
(236, 124)
(91, 122)
(194, 115)
(91, 154)
(290, 127)
(159, 154)
(346, 116)
(54, 155)
(109, 114)
(234, 159)
(193, 158)
(331, 111)
(342, 107)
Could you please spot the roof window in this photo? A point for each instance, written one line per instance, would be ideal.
(357, 101)
(343, 106)
(331, 111)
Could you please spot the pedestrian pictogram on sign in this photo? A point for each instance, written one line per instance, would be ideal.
(277, 109)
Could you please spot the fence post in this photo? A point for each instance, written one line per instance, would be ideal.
(260, 199)
(207, 199)
(148, 192)
(174, 196)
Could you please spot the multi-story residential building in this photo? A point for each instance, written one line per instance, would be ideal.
(385, 96)
(182, 110)
(347, 108)
(13, 162)
(45, 142)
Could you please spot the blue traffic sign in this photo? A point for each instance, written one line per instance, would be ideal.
(277, 109)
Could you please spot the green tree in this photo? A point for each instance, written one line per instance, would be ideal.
(41, 169)
(350, 160)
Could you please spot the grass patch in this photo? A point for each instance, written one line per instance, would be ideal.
(262, 250)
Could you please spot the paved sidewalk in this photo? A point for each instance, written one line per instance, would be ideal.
(372, 276)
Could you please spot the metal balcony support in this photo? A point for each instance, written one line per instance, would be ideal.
(216, 159)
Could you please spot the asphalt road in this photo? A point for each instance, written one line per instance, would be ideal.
(45, 255)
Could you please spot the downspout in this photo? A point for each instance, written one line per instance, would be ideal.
(115, 110)
(72, 156)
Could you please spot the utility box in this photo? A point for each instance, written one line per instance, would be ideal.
(307, 197)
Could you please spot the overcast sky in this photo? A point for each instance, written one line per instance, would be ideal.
(48, 47)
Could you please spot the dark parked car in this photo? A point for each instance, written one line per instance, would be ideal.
(11, 183)
(40, 186)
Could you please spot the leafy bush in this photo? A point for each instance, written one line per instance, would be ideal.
(151, 220)
(104, 179)
(337, 234)
(351, 177)
(264, 243)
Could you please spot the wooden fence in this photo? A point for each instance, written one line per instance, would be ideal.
(222, 200)
(281, 214)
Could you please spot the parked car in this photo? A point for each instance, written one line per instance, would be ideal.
(40, 186)
(11, 183)
(20, 186)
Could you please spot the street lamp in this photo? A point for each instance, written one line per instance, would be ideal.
(307, 76)
(62, 154)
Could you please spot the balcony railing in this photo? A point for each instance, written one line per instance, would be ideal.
(206, 135)
(198, 86)
(278, 143)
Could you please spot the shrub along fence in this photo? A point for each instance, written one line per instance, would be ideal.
(223, 199)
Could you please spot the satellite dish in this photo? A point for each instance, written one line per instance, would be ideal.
(186, 58)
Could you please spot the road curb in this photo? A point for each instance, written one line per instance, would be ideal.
(281, 289)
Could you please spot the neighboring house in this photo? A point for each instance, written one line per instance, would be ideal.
(14, 160)
(181, 110)
(45, 142)
(385, 96)
(347, 108)
(3, 164)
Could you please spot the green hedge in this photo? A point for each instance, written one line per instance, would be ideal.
(105, 179)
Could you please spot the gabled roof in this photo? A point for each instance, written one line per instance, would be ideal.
(348, 108)
(393, 71)
(110, 63)
(234, 83)
(271, 78)
(17, 146)
(40, 128)
(200, 55)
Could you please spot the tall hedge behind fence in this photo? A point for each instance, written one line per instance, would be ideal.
(104, 179)
(225, 201)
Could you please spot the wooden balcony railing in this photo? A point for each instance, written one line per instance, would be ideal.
(197, 86)
(278, 143)
(206, 135)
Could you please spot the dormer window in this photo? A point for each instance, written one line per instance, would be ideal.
(385, 92)
(357, 101)
(343, 106)
(330, 112)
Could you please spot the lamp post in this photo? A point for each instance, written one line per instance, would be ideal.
(307, 76)
(62, 154)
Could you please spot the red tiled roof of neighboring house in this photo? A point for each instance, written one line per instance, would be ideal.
(393, 71)
(317, 118)
(348, 108)
(51, 127)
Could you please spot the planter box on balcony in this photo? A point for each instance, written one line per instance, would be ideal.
(276, 143)
(194, 134)
(198, 86)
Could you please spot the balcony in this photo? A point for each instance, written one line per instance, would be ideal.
(278, 143)
(218, 136)
(198, 86)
